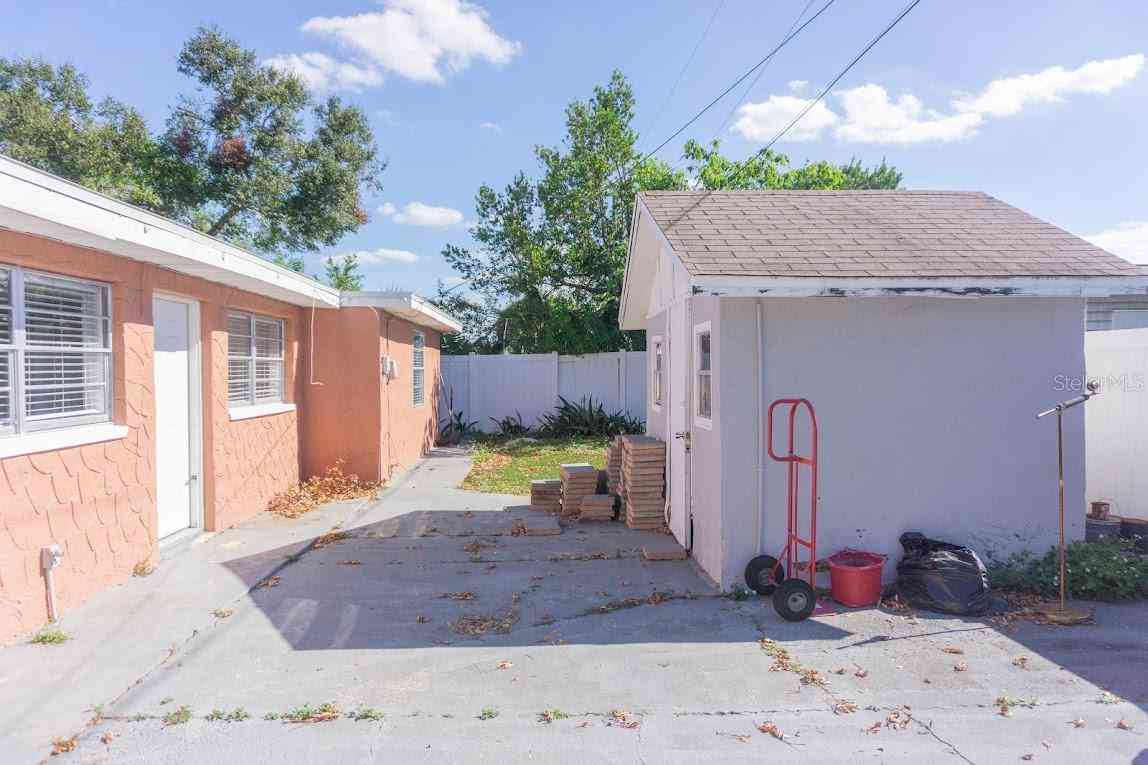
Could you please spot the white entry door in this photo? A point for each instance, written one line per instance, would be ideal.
(176, 386)
(678, 480)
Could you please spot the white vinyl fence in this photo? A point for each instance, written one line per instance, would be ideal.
(1116, 421)
(497, 386)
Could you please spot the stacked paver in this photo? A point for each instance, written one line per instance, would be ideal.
(578, 482)
(643, 481)
(614, 466)
(546, 496)
(597, 507)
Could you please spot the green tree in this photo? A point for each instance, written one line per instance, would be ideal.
(547, 272)
(343, 273)
(768, 169)
(249, 157)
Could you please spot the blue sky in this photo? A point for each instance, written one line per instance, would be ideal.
(1042, 105)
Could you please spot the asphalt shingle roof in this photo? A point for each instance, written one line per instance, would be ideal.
(868, 234)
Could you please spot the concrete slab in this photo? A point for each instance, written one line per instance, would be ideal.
(577, 622)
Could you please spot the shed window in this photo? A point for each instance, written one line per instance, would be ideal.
(418, 371)
(658, 372)
(254, 359)
(55, 351)
(705, 372)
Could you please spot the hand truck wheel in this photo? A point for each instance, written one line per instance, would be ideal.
(794, 600)
(763, 574)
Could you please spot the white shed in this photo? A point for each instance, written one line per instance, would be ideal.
(927, 329)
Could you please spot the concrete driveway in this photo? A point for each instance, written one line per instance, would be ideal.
(451, 634)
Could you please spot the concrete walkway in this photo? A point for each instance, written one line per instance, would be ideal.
(450, 632)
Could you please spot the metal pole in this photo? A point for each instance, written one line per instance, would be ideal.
(1060, 478)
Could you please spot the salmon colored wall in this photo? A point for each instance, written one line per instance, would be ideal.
(341, 416)
(98, 501)
(352, 413)
(408, 431)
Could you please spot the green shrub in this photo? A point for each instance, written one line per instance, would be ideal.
(1108, 570)
(587, 418)
(511, 426)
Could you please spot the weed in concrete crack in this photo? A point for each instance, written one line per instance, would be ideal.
(739, 593)
(239, 714)
(215, 715)
(488, 713)
(1108, 697)
(367, 714)
(51, 636)
(550, 715)
(177, 716)
(1005, 704)
(222, 613)
(166, 700)
(330, 538)
(620, 718)
(271, 716)
(309, 714)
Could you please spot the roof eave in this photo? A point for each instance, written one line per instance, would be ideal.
(406, 305)
(940, 286)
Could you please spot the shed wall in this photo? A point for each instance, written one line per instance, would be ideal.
(926, 410)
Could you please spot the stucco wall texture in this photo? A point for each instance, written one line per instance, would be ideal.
(98, 501)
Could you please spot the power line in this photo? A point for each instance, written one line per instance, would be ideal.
(757, 77)
(842, 73)
(740, 80)
(673, 88)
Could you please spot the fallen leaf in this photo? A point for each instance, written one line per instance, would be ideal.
(63, 745)
(584, 723)
(1020, 661)
(459, 595)
(960, 666)
(1123, 725)
(861, 672)
(107, 737)
(844, 708)
(771, 729)
(953, 649)
(1026, 757)
(622, 719)
(271, 581)
(504, 664)
(351, 562)
(1077, 723)
(874, 728)
(838, 671)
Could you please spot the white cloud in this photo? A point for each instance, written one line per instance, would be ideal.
(762, 121)
(421, 40)
(869, 115)
(797, 86)
(493, 127)
(420, 214)
(1008, 96)
(384, 255)
(321, 73)
(1128, 240)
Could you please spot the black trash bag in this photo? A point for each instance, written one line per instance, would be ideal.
(944, 577)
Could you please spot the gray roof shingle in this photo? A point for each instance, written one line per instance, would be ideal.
(868, 234)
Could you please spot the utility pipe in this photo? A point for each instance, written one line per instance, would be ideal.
(760, 432)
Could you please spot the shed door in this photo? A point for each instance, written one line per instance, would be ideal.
(678, 469)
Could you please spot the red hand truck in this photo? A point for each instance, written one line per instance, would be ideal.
(794, 598)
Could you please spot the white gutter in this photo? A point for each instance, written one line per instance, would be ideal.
(406, 305)
(941, 286)
(35, 202)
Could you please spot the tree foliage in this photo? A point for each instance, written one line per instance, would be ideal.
(249, 156)
(546, 272)
(343, 273)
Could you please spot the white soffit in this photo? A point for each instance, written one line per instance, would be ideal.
(948, 287)
(405, 305)
(35, 202)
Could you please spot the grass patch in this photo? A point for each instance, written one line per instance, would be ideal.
(507, 466)
(239, 714)
(1096, 571)
(488, 713)
(367, 714)
(550, 715)
(177, 716)
(310, 714)
(51, 636)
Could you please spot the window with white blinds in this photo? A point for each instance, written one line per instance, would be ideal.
(55, 351)
(254, 359)
(418, 371)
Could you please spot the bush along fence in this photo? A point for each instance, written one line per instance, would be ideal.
(527, 388)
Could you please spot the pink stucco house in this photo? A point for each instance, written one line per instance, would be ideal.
(156, 383)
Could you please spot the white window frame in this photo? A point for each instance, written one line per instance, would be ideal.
(23, 426)
(255, 406)
(701, 420)
(418, 362)
(657, 373)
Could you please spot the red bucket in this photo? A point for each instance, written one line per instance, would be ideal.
(855, 577)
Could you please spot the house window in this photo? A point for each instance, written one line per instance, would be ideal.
(658, 372)
(1129, 319)
(418, 372)
(254, 359)
(704, 360)
(55, 351)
